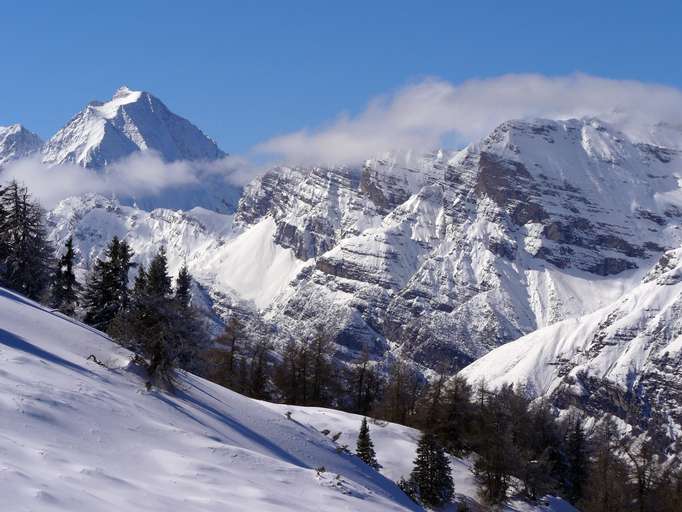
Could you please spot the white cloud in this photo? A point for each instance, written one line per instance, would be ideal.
(141, 175)
(421, 116)
(424, 115)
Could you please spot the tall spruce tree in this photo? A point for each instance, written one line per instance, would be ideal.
(606, 488)
(365, 446)
(158, 279)
(65, 287)
(183, 287)
(496, 452)
(363, 383)
(106, 292)
(26, 256)
(431, 476)
(577, 461)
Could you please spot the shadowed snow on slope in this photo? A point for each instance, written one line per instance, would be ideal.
(79, 436)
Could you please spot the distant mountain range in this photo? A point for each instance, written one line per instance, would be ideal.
(545, 231)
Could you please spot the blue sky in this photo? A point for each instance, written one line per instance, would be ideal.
(248, 71)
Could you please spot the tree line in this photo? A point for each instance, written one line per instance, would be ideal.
(153, 318)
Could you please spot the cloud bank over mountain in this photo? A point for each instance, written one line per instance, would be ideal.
(140, 175)
(434, 112)
(419, 117)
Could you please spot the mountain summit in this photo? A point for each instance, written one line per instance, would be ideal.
(17, 142)
(131, 121)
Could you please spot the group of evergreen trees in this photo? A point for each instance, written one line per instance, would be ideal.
(26, 256)
(520, 448)
(153, 319)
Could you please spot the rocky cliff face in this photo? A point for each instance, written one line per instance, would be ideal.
(451, 256)
(445, 257)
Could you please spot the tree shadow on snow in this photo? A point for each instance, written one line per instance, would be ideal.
(11, 340)
(240, 428)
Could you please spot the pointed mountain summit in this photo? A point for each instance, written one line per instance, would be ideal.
(131, 121)
(17, 142)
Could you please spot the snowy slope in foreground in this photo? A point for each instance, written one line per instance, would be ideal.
(396, 447)
(77, 436)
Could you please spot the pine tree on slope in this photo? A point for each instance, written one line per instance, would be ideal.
(431, 476)
(183, 287)
(106, 292)
(577, 458)
(156, 326)
(65, 288)
(158, 280)
(25, 252)
(365, 447)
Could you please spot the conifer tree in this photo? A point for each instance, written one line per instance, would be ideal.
(496, 451)
(25, 253)
(431, 476)
(363, 383)
(122, 263)
(140, 284)
(106, 291)
(183, 287)
(65, 288)
(158, 280)
(365, 446)
(605, 488)
(577, 461)
(156, 326)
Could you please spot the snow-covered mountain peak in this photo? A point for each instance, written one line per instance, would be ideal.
(131, 121)
(124, 92)
(122, 96)
(17, 142)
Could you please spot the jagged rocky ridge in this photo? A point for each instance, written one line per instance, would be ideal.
(442, 258)
(483, 245)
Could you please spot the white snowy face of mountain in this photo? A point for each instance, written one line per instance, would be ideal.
(130, 124)
(446, 257)
(131, 121)
(17, 142)
(624, 358)
(104, 132)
